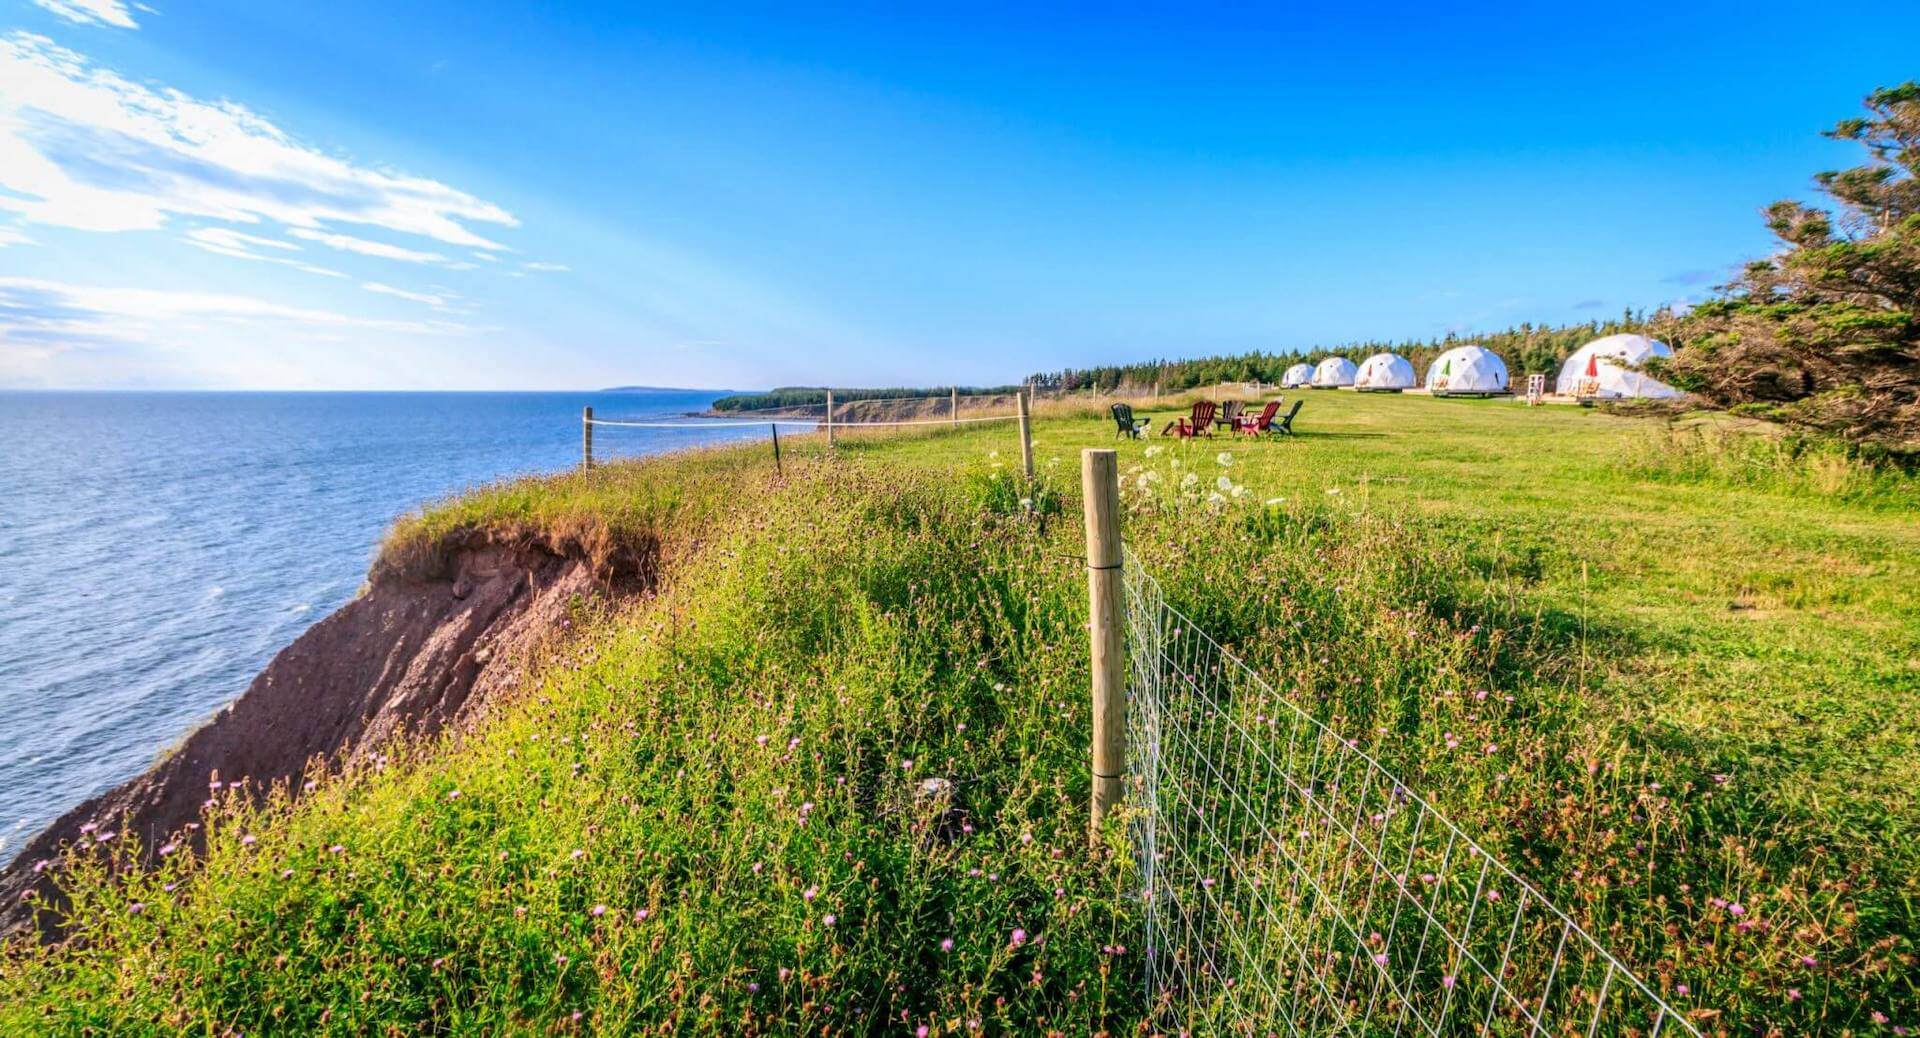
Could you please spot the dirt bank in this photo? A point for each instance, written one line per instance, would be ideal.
(412, 655)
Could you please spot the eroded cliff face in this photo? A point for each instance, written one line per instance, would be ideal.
(411, 656)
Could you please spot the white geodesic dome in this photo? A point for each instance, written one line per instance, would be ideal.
(1332, 372)
(1296, 376)
(1384, 373)
(1599, 369)
(1470, 370)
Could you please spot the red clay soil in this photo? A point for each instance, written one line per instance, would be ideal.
(409, 656)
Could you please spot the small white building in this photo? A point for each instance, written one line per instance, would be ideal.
(1601, 370)
(1470, 370)
(1384, 373)
(1333, 373)
(1297, 376)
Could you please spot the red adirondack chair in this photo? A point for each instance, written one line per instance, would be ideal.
(1199, 423)
(1257, 424)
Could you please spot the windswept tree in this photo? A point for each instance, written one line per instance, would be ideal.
(1825, 335)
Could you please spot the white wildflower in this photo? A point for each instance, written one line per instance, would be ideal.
(1224, 458)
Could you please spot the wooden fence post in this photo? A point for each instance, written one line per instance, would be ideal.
(956, 405)
(777, 470)
(586, 438)
(1100, 487)
(829, 417)
(1026, 436)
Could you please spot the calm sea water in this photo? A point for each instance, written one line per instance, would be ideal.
(156, 549)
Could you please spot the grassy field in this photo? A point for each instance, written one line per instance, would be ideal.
(1699, 650)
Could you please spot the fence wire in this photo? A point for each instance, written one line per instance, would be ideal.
(1291, 885)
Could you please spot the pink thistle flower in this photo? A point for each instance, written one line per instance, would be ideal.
(598, 911)
(560, 959)
(577, 854)
(785, 972)
(1793, 994)
(453, 794)
(336, 849)
(136, 908)
(946, 945)
(1447, 981)
(1380, 958)
(247, 840)
(641, 916)
(1019, 937)
(810, 893)
(166, 849)
(829, 919)
(1736, 908)
(1682, 989)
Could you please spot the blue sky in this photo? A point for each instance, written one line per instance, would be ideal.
(425, 195)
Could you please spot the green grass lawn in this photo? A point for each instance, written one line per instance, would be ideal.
(1695, 652)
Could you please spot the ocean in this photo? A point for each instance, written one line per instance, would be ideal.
(156, 549)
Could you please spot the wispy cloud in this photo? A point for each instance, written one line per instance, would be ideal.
(401, 293)
(13, 236)
(43, 309)
(224, 241)
(547, 266)
(349, 243)
(92, 12)
(83, 147)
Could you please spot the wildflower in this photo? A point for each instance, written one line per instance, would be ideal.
(1879, 1017)
(641, 916)
(1736, 908)
(906, 765)
(437, 963)
(922, 1032)
(760, 740)
(1026, 838)
(453, 794)
(166, 849)
(1224, 458)
(1019, 937)
(829, 919)
(1380, 958)
(785, 972)
(136, 908)
(561, 959)
(1682, 989)
(1793, 994)
(577, 854)
(1808, 960)
(1447, 981)
(598, 911)
(946, 945)
(247, 840)
(336, 849)
(810, 894)
(286, 873)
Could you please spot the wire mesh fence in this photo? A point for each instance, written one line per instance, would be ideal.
(1292, 885)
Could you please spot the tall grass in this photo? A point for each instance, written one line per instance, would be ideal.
(747, 752)
(1711, 452)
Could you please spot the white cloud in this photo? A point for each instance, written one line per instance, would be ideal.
(546, 266)
(13, 236)
(418, 297)
(229, 242)
(83, 147)
(349, 243)
(239, 245)
(42, 310)
(92, 12)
